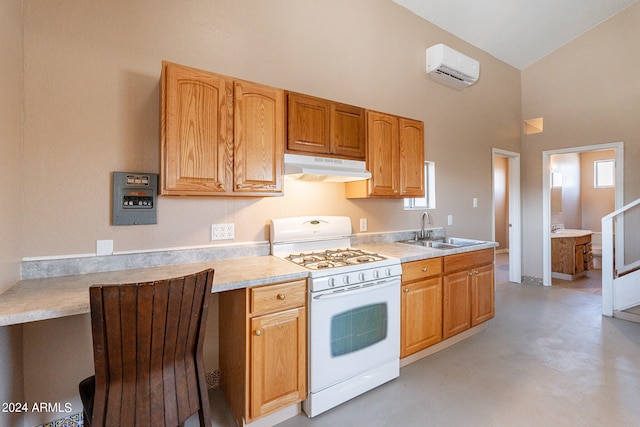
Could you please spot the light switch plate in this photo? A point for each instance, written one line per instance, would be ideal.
(363, 224)
(104, 247)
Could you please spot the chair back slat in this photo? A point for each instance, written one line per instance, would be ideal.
(143, 353)
(148, 351)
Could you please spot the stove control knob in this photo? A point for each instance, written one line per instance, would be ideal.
(332, 282)
(361, 276)
(376, 274)
(387, 272)
(345, 279)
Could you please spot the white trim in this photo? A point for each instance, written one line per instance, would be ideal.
(546, 194)
(515, 212)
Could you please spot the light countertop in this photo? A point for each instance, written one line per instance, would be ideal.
(48, 298)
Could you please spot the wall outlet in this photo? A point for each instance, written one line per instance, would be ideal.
(449, 219)
(222, 231)
(363, 224)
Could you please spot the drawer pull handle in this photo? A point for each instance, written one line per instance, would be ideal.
(258, 332)
(425, 269)
(281, 297)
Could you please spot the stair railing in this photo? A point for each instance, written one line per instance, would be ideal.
(617, 247)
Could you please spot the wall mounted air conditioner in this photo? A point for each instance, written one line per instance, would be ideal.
(450, 67)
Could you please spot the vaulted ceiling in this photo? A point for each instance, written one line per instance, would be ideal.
(518, 32)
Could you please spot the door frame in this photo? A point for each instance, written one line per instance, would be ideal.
(515, 213)
(546, 194)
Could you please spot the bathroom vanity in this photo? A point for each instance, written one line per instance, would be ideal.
(571, 254)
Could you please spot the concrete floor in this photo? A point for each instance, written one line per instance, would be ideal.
(547, 358)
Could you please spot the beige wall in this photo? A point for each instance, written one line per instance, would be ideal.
(586, 92)
(91, 107)
(11, 372)
(596, 202)
(501, 201)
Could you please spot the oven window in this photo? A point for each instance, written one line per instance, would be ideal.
(358, 328)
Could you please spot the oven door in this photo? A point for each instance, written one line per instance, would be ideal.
(352, 332)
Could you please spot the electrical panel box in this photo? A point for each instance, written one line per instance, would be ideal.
(134, 198)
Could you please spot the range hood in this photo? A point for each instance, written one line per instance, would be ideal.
(313, 168)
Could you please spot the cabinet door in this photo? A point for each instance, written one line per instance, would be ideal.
(308, 124)
(483, 294)
(196, 131)
(277, 361)
(579, 259)
(421, 315)
(383, 154)
(348, 131)
(456, 307)
(411, 158)
(258, 139)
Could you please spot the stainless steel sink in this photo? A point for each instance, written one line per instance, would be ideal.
(443, 242)
(429, 243)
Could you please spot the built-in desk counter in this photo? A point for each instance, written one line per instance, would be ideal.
(49, 298)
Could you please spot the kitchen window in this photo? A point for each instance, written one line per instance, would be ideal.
(604, 173)
(429, 199)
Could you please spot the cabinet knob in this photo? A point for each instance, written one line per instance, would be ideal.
(425, 269)
(221, 186)
(239, 186)
(258, 332)
(405, 290)
(475, 271)
(471, 273)
(281, 296)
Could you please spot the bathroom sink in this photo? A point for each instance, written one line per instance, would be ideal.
(569, 232)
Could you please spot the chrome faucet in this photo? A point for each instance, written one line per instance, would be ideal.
(554, 228)
(425, 215)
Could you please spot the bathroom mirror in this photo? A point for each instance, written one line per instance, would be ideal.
(556, 192)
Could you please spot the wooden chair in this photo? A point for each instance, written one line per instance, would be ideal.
(147, 351)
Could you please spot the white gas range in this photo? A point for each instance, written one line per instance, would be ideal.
(354, 308)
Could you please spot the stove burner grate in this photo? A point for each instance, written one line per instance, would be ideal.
(332, 258)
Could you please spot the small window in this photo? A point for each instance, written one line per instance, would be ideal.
(429, 199)
(604, 173)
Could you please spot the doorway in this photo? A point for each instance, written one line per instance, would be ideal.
(506, 214)
(552, 215)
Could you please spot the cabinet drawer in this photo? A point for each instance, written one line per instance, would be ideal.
(467, 260)
(282, 296)
(415, 270)
(583, 239)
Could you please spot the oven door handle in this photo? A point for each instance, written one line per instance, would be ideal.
(361, 289)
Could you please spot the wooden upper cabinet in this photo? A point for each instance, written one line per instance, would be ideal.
(319, 126)
(196, 131)
(308, 124)
(411, 158)
(395, 158)
(383, 154)
(219, 135)
(258, 135)
(348, 138)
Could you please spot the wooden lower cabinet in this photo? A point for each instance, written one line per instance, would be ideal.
(468, 291)
(263, 357)
(421, 305)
